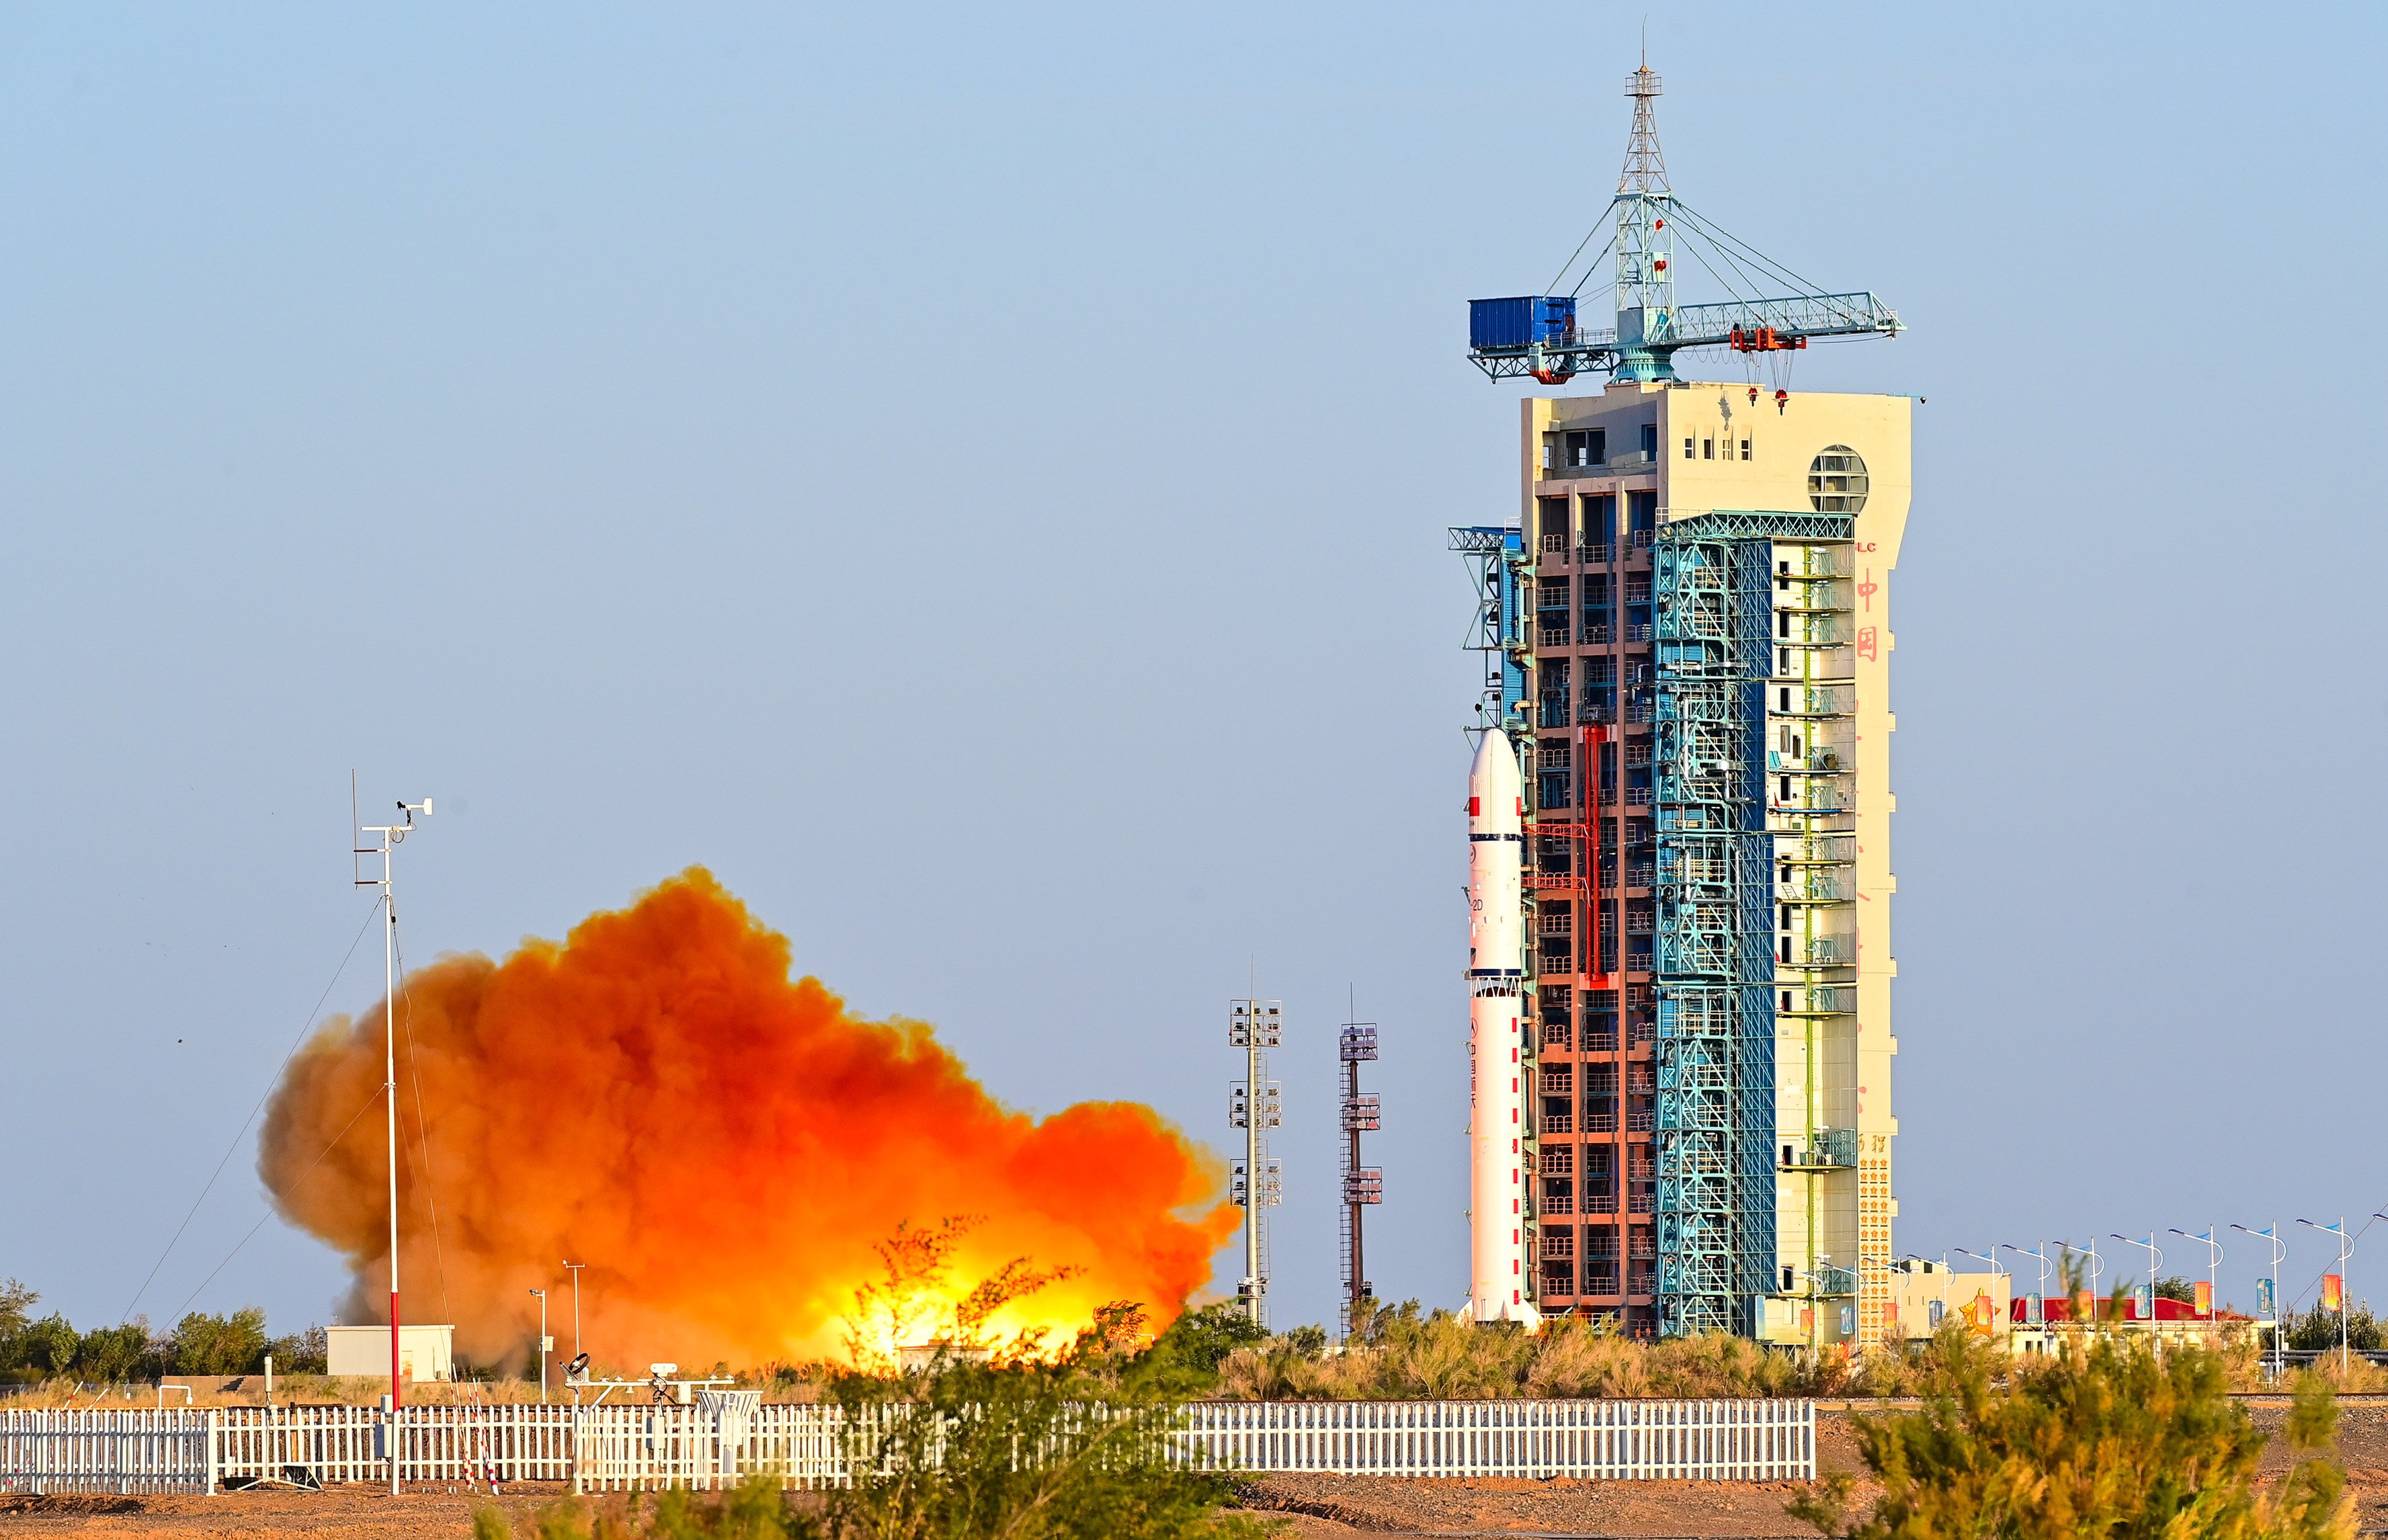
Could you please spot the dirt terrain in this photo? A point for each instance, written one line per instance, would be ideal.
(1312, 1507)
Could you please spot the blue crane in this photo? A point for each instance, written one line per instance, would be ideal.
(1537, 337)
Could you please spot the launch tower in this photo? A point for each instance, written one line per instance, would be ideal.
(1687, 637)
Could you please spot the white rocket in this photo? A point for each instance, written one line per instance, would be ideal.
(1500, 1280)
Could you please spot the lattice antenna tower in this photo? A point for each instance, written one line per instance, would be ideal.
(1363, 1185)
(1255, 1104)
(1646, 246)
(1646, 164)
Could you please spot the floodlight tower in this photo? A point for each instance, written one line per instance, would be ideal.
(1255, 1104)
(392, 836)
(1362, 1184)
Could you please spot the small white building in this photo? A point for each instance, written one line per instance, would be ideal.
(423, 1352)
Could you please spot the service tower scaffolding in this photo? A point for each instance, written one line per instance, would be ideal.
(1687, 641)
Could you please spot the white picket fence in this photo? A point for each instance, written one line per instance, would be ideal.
(1744, 1441)
(645, 1447)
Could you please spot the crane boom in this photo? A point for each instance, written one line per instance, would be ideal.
(1785, 323)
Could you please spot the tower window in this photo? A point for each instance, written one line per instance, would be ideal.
(1708, 449)
(1687, 447)
(1837, 481)
(1745, 448)
(1650, 439)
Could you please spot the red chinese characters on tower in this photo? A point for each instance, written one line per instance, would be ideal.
(1867, 643)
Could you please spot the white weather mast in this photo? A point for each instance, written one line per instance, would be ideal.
(391, 836)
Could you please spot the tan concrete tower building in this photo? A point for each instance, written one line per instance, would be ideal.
(1708, 572)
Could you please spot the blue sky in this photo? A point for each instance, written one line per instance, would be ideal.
(976, 480)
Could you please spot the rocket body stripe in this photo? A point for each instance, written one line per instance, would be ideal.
(1496, 963)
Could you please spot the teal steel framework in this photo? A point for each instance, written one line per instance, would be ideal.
(1712, 584)
(1500, 566)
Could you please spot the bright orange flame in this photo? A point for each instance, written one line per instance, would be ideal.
(722, 1146)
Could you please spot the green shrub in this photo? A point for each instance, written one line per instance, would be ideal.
(1067, 1448)
(1202, 1339)
(2108, 1438)
(112, 1354)
(219, 1344)
(308, 1352)
(49, 1344)
(2318, 1329)
(16, 1303)
(757, 1509)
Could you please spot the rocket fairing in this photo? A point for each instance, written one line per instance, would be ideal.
(1500, 1277)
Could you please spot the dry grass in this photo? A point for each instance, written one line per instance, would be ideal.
(1402, 1353)
(289, 1390)
(2359, 1378)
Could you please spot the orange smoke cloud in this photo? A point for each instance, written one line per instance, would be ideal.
(723, 1147)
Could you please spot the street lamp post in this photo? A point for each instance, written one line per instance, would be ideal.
(543, 1345)
(2213, 1263)
(2279, 1250)
(1996, 1271)
(2344, 1251)
(2039, 1255)
(2097, 1271)
(2156, 1266)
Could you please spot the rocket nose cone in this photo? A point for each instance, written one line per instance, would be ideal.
(1483, 759)
(1495, 760)
(1493, 783)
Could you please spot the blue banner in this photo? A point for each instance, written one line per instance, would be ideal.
(2264, 1299)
